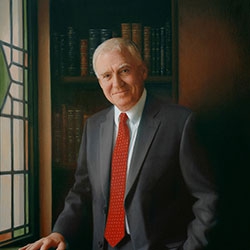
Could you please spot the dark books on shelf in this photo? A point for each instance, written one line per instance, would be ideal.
(68, 122)
(84, 57)
(72, 55)
(96, 37)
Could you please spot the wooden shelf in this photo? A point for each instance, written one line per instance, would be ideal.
(92, 80)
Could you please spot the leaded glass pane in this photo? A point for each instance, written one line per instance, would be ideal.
(5, 19)
(16, 73)
(7, 106)
(18, 154)
(7, 53)
(16, 91)
(17, 23)
(18, 108)
(17, 56)
(5, 146)
(5, 198)
(19, 208)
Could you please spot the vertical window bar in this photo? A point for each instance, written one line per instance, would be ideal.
(19, 112)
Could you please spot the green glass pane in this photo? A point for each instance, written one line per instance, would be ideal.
(25, 24)
(18, 232)
(25, 81)
(4, 78)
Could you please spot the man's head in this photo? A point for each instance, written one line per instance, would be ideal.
(121, 72)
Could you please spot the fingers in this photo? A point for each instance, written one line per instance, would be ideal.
(61, 246)
(54, 240)
(24, 247)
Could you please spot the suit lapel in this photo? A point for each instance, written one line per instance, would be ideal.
(106, 145)
(146, 132)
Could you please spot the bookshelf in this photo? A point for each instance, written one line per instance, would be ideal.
(76, 28)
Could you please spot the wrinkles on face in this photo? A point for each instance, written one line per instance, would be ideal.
(120, 78)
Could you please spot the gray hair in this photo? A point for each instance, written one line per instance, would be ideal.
(119, 44)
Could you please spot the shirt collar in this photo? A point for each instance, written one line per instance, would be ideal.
(134, 114)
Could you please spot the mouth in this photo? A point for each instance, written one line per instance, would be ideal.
(120, 92)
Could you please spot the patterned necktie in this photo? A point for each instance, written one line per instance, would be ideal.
(115, 226)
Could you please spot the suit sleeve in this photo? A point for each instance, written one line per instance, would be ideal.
(199, 178)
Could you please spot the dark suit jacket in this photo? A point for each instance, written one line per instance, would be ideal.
(170, 196)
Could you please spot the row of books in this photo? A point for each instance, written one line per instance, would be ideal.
(72, 55)
(68, 122)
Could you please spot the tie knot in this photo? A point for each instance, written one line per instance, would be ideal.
(123, 117)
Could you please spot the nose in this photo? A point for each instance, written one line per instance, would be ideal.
(117, 81)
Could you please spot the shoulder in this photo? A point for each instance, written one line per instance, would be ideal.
(100, 115)
(166, 109)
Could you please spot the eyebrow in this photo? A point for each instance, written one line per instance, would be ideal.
(124, 65)
(120, 67)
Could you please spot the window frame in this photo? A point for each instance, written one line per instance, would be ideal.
(33, 156)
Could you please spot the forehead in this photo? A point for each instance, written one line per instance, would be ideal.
(114, 58)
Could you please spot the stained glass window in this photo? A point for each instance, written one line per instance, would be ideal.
(15, 123)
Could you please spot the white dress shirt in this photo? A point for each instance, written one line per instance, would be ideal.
(134, 115)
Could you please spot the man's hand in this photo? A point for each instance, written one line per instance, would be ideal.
(54, 240)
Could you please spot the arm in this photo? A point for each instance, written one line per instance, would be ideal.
(198, 175)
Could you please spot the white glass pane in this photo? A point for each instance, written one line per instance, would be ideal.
(17, 23)
(16, 91)
(18, 200)
(5, 19)
(6, 50)
(18, 56)
(7, 106)
(18, 144)
(5, 201)
(18, 108)
(16, 73)
(5, 144)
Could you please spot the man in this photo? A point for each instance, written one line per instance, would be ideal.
(169, 199)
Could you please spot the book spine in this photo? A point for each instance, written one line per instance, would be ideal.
(79, 117)
(57, 136)
(126, 31)
(137, 35)
(73, 63)
(62, 55)
(162, 53)
(105, 34)
(55, 54)
(70, 136)
(153, 51)
(94, 41)
(147, 46)
(84, 56)
(168, 48)
(64, 146)
(157, 52)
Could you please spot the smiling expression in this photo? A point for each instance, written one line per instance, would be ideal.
(121, 78)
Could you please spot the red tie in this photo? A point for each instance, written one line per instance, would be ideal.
(115, 226)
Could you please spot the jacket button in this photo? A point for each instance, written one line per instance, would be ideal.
(105, 210)
(100, 244)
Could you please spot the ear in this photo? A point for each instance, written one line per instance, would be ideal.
(144, 71)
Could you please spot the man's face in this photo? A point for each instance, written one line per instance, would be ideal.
(121, 78)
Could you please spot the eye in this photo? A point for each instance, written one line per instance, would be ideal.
(125, 71)
(106, 76)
